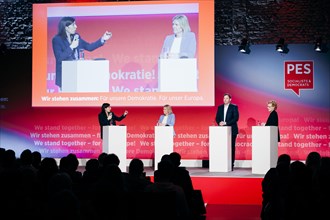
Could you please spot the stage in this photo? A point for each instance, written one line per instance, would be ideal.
(204, 172)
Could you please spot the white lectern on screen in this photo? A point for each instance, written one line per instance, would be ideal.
(85, 76)
(177, 75)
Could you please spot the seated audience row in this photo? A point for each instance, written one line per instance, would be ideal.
(40, 188)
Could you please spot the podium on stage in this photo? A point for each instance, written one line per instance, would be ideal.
(264, 148)
(163, 142)
(177, 75)
(85, 76)
(220, 149)
(114, 141)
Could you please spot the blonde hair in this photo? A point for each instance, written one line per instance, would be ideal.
(169, 108)
(183, 22)
(273, 103)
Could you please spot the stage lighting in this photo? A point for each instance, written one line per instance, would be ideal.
(318, 45)
(280, 45)
(243, 48)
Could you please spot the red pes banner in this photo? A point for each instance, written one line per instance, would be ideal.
(298, 75)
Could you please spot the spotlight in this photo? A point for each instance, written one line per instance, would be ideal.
(244, 46)
(318, 45)
(280, 45)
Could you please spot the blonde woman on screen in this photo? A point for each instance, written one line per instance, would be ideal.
(182, 43)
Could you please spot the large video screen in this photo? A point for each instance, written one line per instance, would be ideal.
(143, 53)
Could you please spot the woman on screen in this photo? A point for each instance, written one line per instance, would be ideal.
(167, 118)
(182, 43)
(273, 117)
(107, 117)
(67, 44)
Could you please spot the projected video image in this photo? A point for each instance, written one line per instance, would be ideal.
(139, 54)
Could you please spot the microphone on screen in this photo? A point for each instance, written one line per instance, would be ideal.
(76, 37)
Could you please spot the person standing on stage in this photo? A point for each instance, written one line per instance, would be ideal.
(228, 115)
(167, 118)
(273, 117)
(107, 117)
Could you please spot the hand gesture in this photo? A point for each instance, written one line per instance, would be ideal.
(109, 116)
(126, 112)
(106, 36)
(75, 42)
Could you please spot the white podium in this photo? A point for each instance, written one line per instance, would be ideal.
(264, 148)
(114, 141)
(163, 142)
(85, 76)
(177, 75)
(220, 149)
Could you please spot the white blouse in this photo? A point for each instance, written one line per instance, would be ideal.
(175, 48)
(165, 120)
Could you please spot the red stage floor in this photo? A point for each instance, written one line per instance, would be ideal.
(232, 212)
(239, 187)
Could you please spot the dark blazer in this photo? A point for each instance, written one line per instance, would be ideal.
(103, 120)
(232, 117)
(273, 121)
(62, 52)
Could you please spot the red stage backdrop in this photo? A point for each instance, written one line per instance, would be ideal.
(251, 79)
(39, 117)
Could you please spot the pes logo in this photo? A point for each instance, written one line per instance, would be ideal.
(298, 75)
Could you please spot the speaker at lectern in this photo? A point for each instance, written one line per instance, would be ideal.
(177, 75)
(163, 142)
(114, 141)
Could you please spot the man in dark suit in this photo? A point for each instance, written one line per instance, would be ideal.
(227, 115)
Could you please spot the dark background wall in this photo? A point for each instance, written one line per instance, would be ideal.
(260, 21)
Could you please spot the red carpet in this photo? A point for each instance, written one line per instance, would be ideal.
(229, 190)
(232, 212)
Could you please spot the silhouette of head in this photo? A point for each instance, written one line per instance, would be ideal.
(136, 167)
(111, 159)
(175, 158)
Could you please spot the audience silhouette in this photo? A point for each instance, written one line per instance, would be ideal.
(296, 190)
(164, 184)
(39, 187)
(181, 177)
(136, 180)
(275, 189)
(36, 159)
